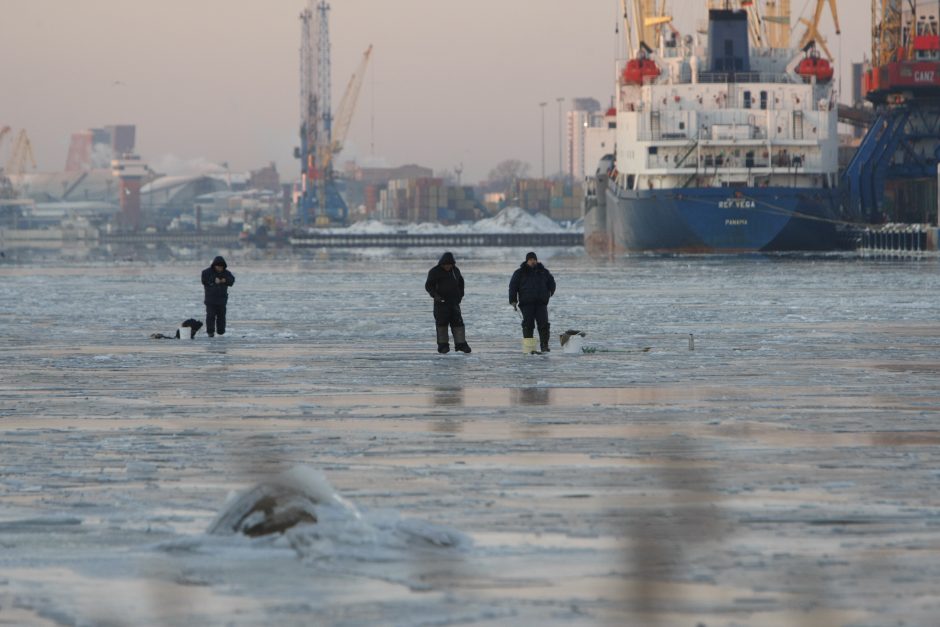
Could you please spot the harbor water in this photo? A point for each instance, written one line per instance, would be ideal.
(780, 469)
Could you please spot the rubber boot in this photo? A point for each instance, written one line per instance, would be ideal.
(544, 336)
(443, 342)
(529, 345)
(460, 340)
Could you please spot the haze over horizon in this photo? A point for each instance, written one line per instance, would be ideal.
(217, 81)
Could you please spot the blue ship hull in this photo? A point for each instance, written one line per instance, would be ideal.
(716, 220)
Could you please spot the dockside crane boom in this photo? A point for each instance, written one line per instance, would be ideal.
(812, 27)
(4, 131)
(22, 154)
(347, 106)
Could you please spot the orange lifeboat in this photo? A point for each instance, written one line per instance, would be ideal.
(813, 65)
(639, 71)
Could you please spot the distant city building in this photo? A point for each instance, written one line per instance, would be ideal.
(79, 157)
(122, 138)
(581, 152)
(589, 105)
(95, 147)
(265, 178)
(384, 175)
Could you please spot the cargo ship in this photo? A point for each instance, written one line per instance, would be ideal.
(722, 146)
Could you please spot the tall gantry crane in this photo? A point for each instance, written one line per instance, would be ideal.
(320, 201)
(893, 173)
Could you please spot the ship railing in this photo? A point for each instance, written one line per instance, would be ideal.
(709, 162)
(743, 77)
(756, 133)
(743, 162)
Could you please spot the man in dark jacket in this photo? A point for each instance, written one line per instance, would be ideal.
(445, 285)
(531, 287)
(216, 279)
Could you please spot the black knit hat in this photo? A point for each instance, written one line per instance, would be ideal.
(531, 255)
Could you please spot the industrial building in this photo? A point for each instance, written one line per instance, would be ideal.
(96, 147)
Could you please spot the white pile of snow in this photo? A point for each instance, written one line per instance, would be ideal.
(372, 227)
(517, 220)
(428, 227)
(509, 220)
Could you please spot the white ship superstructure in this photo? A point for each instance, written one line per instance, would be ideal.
(692, 126)
(721, 146)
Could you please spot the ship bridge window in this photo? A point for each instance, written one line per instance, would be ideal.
(747, 99)
(681, 126)
(653, 150)
(763, 100)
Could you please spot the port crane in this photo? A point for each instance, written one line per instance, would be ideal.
(347, 106)
(893, 174)
(21, 155)
(4, 131)
(812, 34)
(320, 201)
(6, 187)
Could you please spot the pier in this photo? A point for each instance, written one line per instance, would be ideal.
(899, 240)
(433, 240)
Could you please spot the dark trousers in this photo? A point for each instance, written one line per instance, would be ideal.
(534, 314)
(215, 319)
(447, 314)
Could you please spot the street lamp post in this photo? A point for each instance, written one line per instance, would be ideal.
(561, 171)
(542, 107)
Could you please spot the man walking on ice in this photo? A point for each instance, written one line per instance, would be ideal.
(531, 287)
(445, 285)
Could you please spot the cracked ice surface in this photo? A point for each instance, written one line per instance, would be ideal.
(782, 473)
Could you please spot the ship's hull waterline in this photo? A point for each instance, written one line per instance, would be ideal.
(714, 220)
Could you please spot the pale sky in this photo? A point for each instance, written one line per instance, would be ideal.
(218, 80)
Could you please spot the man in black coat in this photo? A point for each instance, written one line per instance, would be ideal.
(531, 287)
(216, 279)
(445, 285)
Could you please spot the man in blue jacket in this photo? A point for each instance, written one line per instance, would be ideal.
(216, 279)
(531, 287)
(445, 286)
